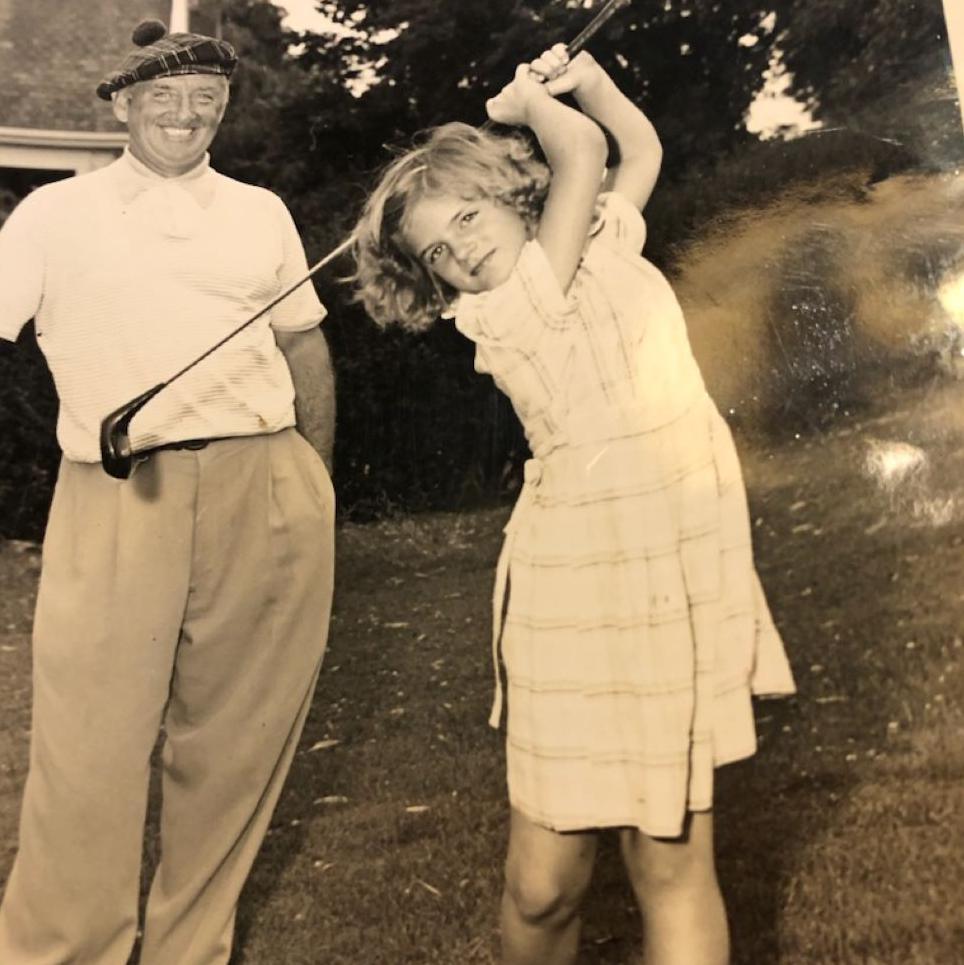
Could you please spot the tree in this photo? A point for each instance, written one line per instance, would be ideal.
(680, 60)
(880, 67)
(847, 56)
(310, 116)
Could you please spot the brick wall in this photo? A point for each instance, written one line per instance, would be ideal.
(53, 53)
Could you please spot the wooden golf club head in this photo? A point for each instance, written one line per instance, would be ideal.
(116, 454)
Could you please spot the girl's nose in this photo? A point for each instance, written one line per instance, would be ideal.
(464, 250)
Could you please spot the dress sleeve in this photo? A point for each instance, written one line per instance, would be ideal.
(529, 301)
(21, 269)
(621, 222)
(301, 310)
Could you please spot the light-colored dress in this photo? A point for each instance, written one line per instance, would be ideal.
(627, 611)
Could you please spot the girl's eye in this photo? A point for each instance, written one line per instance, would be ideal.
(435, 254)
(469, 217)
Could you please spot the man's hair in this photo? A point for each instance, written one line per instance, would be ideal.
(454, 160)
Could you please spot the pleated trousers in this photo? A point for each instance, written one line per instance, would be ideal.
(193, 597)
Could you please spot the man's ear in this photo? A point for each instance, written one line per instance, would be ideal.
(120, 102)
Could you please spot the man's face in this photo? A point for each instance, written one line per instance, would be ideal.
(172, 120)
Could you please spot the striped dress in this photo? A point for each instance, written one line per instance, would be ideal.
(627, 612)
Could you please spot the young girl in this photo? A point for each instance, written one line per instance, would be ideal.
(627, 612)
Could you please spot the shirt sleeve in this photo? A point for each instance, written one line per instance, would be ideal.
(21, 269)
(621, 222)
(515, 313)
(301, 310)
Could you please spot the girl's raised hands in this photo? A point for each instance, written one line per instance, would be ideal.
(560, 75)
(552, 72)
(510, 105)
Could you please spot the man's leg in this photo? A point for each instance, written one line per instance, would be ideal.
(112, 594)
(254, 634)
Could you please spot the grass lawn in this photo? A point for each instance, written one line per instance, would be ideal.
(840, 842)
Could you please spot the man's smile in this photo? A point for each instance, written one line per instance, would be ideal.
(178, 133)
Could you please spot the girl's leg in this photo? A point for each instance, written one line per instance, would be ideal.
(547, 874)
(675, 883)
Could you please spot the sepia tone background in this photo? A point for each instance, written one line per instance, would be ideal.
(810, 217)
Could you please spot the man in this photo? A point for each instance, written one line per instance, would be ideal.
(196, 594)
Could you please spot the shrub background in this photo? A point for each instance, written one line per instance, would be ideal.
(811, 270)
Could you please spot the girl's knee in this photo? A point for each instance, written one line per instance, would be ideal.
(669, 864)
(542, 897)
(546, 872)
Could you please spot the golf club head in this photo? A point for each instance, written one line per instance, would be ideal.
(116, 454)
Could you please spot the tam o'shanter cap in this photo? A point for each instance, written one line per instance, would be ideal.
(160, 54)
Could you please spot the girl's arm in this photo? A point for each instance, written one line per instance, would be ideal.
(640, 153)
(575, 148)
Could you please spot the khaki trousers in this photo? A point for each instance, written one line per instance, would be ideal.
(195, 595)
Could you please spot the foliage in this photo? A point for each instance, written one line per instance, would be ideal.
(880, 67)
(28, 452)
(437, 62)
(846, 56)
(311, 115)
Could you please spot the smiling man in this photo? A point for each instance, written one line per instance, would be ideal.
(172, 120)
(192, 598)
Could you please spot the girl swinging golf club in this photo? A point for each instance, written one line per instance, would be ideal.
(627, 613)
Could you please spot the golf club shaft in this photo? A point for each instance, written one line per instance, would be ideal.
(580, 40)
(587, 32)
(331, 256)
(121, 417)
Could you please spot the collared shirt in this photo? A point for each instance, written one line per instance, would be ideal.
(129, 276)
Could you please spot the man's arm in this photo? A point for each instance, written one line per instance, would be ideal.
(22, 265)
(310, 365)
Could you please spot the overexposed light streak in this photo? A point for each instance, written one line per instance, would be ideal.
(892, 463)
(951, 296)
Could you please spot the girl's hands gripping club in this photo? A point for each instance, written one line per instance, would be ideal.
(511, 104)
(553, 73)
(560, 75)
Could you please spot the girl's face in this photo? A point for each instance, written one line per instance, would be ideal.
(472, 245)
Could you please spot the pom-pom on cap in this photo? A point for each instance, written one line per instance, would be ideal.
(147, 31)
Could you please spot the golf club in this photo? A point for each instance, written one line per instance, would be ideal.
(116, 452)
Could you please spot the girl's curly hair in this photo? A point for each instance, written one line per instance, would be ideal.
(453, 159)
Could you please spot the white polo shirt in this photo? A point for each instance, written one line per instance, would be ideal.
(129, 276)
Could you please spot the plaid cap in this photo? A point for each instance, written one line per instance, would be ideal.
(160, 54)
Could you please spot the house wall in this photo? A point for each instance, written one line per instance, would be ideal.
(54, 53)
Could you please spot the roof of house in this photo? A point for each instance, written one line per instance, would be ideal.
(52, 55)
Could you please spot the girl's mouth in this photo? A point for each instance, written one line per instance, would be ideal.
(480, 264)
